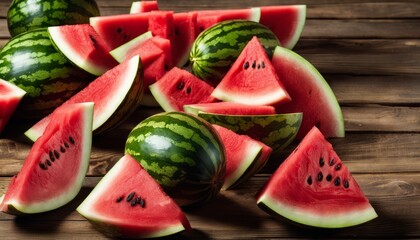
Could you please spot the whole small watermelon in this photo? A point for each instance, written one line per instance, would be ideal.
(24, 15)
(30, 61)
(183, 153)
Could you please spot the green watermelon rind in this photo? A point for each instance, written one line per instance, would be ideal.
(120, 52)
(320, 82)
(323, 221)
(275, 130)
(97, 219)
(18, 208)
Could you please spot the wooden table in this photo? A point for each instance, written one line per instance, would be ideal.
(368, 51)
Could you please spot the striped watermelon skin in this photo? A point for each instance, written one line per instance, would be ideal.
(183, 153)
(24, 15)
(216, 49)
(275, 130)
(31, 62)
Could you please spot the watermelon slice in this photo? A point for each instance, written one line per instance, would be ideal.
(10, 96)
(129, 48)
(183, 37)
(129, 203)
(229, 108)
(116, 95)
(143, 6)
(179, 87)
(286, 22)
(116, 30)
(244, 156)
(252, 79)
(310, 92)
(313, 187)
(83, 46)
(53, 173)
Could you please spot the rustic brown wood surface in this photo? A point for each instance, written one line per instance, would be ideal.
(368, 51)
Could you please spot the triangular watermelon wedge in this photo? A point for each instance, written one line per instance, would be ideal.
(10, 97)
(54, 170)
(116, 94)
(313, 187)
(144, 6)
(129, 203)
(252, 79)
(310, 94)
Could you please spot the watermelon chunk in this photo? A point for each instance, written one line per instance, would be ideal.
(252, 79)
(10, 96)
(229, 108)
(143, 6)
(129, 203)
(310, 93)
(179, 87)
(244, 156)
(313, 187)
(83, 46)
(285, 21)
(161, 24)
(183, 37)
(53, 173)
(116, 95)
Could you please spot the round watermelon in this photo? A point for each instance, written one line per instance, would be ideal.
(182, 152)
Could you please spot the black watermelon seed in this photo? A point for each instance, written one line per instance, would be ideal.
(258, 66)
(337, 181)
(119, 30)
(254, 64)
(119, 199)
(188, 90)
(56, 154)
(62, 149)
(66, 145)
(43, 166)
(133, 203)
(309, 180)
(320, 176)
(48, 162)
(130, 196)
(329, 177)
(246, 65)
(321, 162)
(180, 85)
(346, 183)
(142, 203)
(71, 139)
(338, 167)
(331, 162)
(262, 64)
(50, 153)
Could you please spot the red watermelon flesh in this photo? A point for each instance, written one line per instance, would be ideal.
(83, 46)
(116, 95)
(166, 46)
(252, 79)
(179, 87)
(207, 18)
(313, 187)
(242, 155)
(116, 30)
(144, 6)
(161, 24)
(184, 37)
(54, 170)
(149, 212)
(286, 22)
(10, 96)
(230, 108)
(310, 94)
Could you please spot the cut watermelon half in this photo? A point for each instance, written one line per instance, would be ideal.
(10, 96)
(116, 95)
(229, 108)
(116, 30)
(53, 173)
(286, 22)
(252, 79)
(129, 203)
(310, 93)
(313, 187)
(244, 156)
(179, 87)
(83, 46)
(143, 6)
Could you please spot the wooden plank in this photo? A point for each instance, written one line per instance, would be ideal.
(388, 193)
(391, 152)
